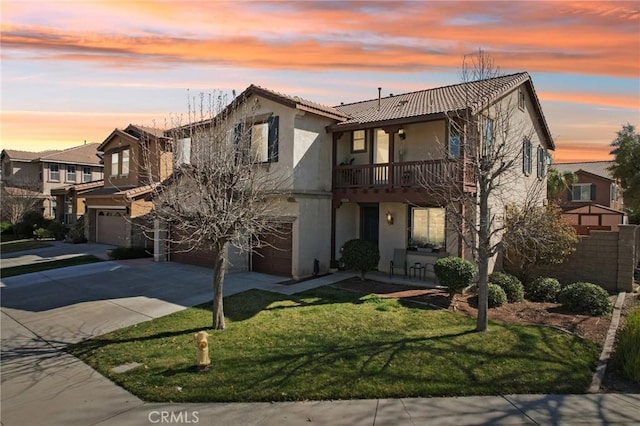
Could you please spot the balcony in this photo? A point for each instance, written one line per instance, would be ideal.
(406, 175)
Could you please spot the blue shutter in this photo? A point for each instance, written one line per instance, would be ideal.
(273, 138)
(237, 138)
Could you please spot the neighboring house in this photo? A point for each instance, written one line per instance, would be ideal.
(355, 170)
(71, 201)
(44, 171)
(114, 209)
(595, 200)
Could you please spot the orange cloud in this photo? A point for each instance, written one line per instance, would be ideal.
(575, 151)
(619, 101)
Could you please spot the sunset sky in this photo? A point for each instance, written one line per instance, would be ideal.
(74, 70)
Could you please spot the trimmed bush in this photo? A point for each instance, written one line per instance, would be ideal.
(121, 253)
(511, 285)
(5, 227)
(496, 296)
(57, 229)
(627, 355)
(543, 290)
(360, 255)
(585, 298)
(455, 273)
(41, 234)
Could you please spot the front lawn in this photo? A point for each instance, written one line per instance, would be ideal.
(44, 266)
(21, 245)
(334, 344)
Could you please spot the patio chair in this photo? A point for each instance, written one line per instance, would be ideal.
(399, 262)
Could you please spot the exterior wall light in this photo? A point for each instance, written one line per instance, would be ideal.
(389, 217)
(402, 134)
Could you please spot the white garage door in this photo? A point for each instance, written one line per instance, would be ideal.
(111, 227)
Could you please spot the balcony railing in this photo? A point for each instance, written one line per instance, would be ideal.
(405, 175)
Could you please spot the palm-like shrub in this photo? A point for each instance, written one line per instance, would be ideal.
(360, 255)
(627, 355)
(585, 298)
(455, 273)
(511, 285)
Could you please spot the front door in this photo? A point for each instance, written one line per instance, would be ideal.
(369, 222)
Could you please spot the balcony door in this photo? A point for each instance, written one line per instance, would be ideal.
(380, 156)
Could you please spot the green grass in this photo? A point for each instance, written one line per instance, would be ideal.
(21, 245)
(43, 266)
(333, 344)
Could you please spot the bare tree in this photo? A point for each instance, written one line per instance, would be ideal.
(490, 136)
(221, 192)
(19, 198)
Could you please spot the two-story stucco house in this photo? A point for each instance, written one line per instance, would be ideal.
(114, 208)
(45, 171)
(595, 199)
(355, 169)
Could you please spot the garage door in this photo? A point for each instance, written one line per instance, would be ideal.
(111, 227)
(274, 259)
(193, 257)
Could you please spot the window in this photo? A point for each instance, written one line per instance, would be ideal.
(86, 174)
(542, 162)
(582, 192)
(487, 133)
(264, 141)
(114, 163)
(54, 172)
(521, 99)
(428, 226)
(358, 141)
(259, 142)
(125, 162)
(454, 140)
(527, 165)
(614, 192)
(71, 174)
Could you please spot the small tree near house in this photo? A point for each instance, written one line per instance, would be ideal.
(18, 199)
(495, 145)
(361, 256)
(220, 193)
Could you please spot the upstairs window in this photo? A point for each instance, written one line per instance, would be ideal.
(54, 172)
(614, 192)
(86, 174)
(521, 99)
(527, 153)
(263, 141)
(259, 142)
(125, 162)
(542, 162)
(71, 174)
(454, 140)
(358, 141)
(582, 192)
(487, 135)
(115, 163)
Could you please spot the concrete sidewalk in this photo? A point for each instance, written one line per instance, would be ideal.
(43, 312)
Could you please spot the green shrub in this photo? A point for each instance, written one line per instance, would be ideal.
(31, 221)
(5, 227)
(455, 273)
(57, 229)
(543, 290)
(585, 298)
(511, 285)
(121, 253)
(76, 233)
(496, 296)
(360, 255)
(627, 355)
(41, 233)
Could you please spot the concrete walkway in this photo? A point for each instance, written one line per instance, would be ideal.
(41, 385)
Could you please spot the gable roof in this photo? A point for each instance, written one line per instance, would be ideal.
(134, 132)
(294, 102)
(78, 187)
(598, 168)
(82, 154)
(437, 102)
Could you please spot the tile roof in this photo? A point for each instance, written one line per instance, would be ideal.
(83, 154)
(15, 154)
(79, 187)
(431, 101)
(129, 192)
(598, 168)
(294, 101)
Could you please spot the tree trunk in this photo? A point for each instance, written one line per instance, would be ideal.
(484, 245)
(218, 280)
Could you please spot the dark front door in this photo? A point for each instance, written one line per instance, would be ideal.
(369, 222)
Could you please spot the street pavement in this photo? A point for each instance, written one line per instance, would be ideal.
(43, 312)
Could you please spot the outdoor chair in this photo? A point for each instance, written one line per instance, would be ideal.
(399, 262)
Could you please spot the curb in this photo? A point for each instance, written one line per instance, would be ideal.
(607, 348)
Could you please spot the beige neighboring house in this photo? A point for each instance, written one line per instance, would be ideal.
(354, 170)
(115, 208)
(595, 201)
(47, 170)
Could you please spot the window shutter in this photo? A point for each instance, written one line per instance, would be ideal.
(273, 138)
(237, 137)
(570, 193)
(593, 192)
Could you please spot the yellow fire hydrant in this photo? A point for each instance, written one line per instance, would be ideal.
(202, 351)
